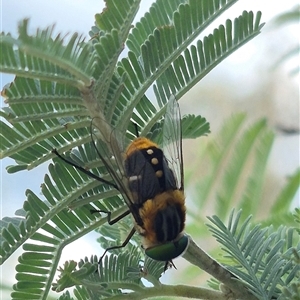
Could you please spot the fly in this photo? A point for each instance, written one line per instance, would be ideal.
(150, 180)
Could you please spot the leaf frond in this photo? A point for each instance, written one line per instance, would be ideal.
(93, 280)
(285, 198)
(236, 172)
(261, 257)
(62, 82)
(190, 67)
(114, 24)
(164, 45)
(47, 58)
(58, 226)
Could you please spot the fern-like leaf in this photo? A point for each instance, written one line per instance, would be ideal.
(230, 155)
(197, 61)
(48, 103)
(107, 279)
(261, 257)
(165, 44)
(59, 226)
(285, 198)
(46, 58)
(61, 85)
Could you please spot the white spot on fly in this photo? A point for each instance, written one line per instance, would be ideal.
(154, 161)
(150, 151)
(134, 178)
(159, 173)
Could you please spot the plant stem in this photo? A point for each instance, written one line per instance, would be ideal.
(201, 259)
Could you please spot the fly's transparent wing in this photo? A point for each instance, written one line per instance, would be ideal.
(172, 141)
(110, 146)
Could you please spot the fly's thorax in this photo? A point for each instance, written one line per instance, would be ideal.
(163, 218)
(139, 144)
(147, 171)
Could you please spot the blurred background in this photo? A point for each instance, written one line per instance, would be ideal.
(250, 80)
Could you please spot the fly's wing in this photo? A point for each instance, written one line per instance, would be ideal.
(172, 143)
(109, 146)
(134, 174)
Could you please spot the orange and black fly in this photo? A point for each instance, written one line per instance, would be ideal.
(150, 180)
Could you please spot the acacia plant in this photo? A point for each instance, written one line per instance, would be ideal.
(64, 82)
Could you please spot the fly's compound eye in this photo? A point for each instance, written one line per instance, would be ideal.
(168, 251)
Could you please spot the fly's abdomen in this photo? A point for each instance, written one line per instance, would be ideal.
(163, 218)
(168, 223)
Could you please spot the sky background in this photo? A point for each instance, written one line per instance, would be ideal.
(236, 77)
